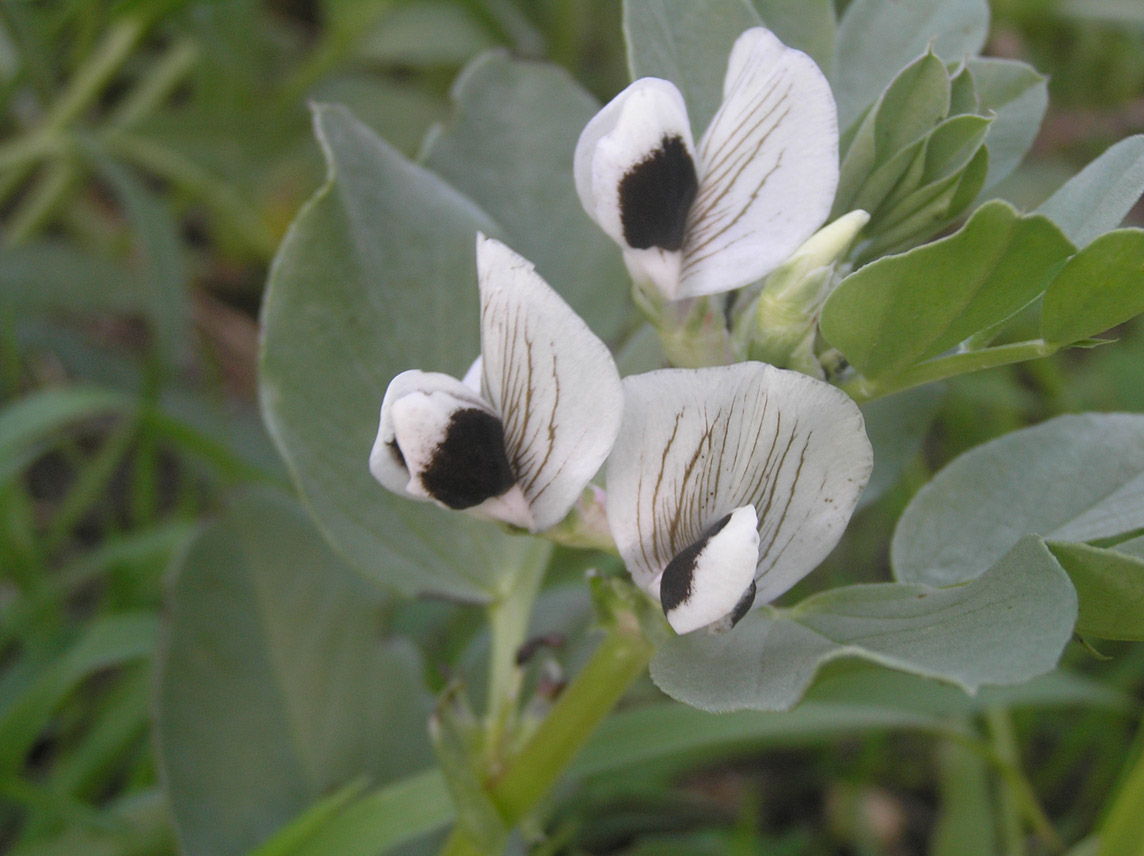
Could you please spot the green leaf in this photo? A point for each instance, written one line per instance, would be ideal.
(965, 823)
(30, 424)
(963, 93)
(156, 233)
(303, 827)
(1121, 832)
(687, 42)
(138, 823)
(901, 310)
(849, 696)
(1098, 289)
(890, 135)
(952, 145)
(400, 111)
(509, 148)
(377, 275)
(51, 275)
(877, 38)
(105, 643)
(896, 426)
(654, 732)
(1098, 197)
(1132, 547)
(1016, 96)
(935, 171)
(424, 35)
(1073, 478)
(1007, 626)
(273, 687)
(1110, 588)
(385, 818)
(808, 25)
(928, 209)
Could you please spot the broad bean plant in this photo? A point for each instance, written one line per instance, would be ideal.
(654, 341)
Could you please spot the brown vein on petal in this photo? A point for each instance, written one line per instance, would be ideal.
(727, 171)
(786, 508)
(703, 239)
(551, 438)
(729, 149)
(692, 522)
(655, 493)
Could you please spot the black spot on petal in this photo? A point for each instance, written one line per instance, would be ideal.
(675, 584)
(744, 605)
(395, 452)
(469, 465)
(655, 196)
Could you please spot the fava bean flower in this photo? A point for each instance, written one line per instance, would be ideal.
(731, 484)
(700, 220)
(533, 420)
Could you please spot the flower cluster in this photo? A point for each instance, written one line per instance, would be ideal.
(725, 485)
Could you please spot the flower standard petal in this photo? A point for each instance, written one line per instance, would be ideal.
(768, 167)
(636, 176)
(550, 379)
(697, 445)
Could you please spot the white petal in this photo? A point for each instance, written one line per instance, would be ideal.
(768, 167)
(552, 381)
(697, 444)
(636, 176)
(439, 440)
(472, 378)
(706, 581)
(386, 461)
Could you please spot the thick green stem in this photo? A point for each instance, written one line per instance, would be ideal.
(863, 389)
(460, 843)
(536, 767)
(620, 659)
(1018, 796)
(1004, 744)
(508, 620)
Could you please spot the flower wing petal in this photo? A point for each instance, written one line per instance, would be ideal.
(697, 444)
(707, 580)
(386, 460)
(636, 176)
(552, 381)
(768, 167)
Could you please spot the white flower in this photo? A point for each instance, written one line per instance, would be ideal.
(519, 438)
(731, 483)
(701, 221)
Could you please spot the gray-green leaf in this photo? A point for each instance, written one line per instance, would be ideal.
(1007, 626)
(377, 275)
(274, 687)
(1073, 478)
(687, 42)
(876, 38)
(509, 148)
(1016, 96)
(808, 25)
(1098, 197)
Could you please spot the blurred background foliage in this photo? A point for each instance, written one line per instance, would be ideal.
(152, 155)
